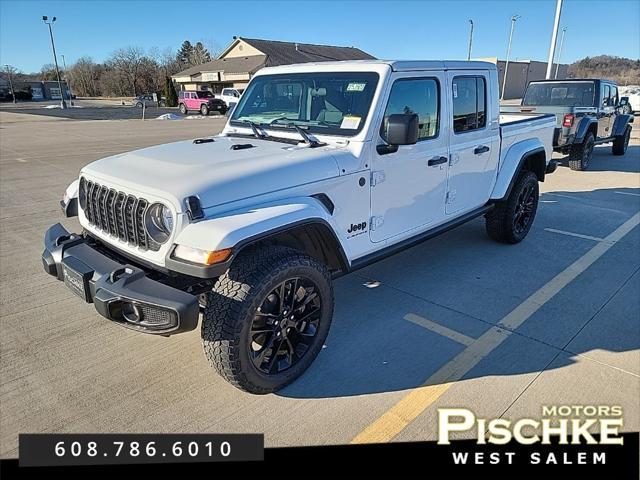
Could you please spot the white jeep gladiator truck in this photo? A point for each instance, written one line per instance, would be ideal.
(321, 169)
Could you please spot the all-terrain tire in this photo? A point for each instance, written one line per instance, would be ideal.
(621, 143)
(204, 110)
(506, 222)
(231, 308)
(183, 109)
(581, 153)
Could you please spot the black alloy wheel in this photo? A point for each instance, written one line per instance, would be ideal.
(285, 325)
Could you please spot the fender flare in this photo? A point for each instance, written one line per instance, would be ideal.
(241, 228)
(583, 128)
(620, 124)
(517, 155)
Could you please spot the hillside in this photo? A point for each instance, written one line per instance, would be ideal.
(624, 71)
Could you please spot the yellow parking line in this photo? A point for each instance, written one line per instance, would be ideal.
(394, 420)
(439, 329)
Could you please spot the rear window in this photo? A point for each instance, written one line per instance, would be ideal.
(561, 94)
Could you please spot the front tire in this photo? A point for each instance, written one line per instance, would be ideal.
(510, 220)
(204, 110)
(581, 153)
(267, 318)
(621, 143)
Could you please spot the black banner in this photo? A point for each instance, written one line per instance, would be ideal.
(512, 460)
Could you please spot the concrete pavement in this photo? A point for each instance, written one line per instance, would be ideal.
(65, 369)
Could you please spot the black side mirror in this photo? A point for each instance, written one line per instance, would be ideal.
(624, 101)
(399, 129)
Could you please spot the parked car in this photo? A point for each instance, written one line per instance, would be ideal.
(229, 96)
(332, 169)
(632, 97)
(147, 101)
(202, 101)
(588, 113)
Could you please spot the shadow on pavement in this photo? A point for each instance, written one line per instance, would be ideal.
(604, 161)
(372, 348)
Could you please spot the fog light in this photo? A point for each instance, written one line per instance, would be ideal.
(131, 313)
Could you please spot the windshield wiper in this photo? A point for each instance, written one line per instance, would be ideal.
(305, 136)
(256, 132)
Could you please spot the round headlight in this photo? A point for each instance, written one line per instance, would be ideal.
(82, 193)
(159, 222)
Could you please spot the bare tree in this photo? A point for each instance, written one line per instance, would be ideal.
(128, 63)
(85, 76)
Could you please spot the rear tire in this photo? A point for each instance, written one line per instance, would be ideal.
(510, 220)
(581, 153)
(271, 297)
(621, 143)
(183, 109)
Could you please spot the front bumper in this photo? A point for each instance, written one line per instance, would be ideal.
(120, 292)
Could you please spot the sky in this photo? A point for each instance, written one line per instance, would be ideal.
(389, 30)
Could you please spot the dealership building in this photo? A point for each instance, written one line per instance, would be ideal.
(245, 56)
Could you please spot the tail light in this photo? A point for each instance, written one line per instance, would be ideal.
(568, 120)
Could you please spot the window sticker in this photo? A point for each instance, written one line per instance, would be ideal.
(455, 90)
(356, 87)
(350, 122)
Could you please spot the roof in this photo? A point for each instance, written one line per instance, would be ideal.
(275, 53)
(228, 65)
(565, 80)
(395, 65)
(286, 53)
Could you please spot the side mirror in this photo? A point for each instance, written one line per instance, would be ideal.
(624, 101)
(401, 129)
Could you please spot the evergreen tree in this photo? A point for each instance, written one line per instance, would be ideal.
(184, 54)
(171, 98)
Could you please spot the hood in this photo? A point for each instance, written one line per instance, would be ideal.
(214, 171)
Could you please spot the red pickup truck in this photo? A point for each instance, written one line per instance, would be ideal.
(202, 101)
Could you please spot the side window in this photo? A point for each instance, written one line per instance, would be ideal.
(614, 95)
(469, 103)
(419, 96)
(225, 91)
(606, 91)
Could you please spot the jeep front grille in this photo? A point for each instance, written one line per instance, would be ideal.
(118, 214)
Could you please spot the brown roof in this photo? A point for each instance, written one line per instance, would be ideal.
(286, 53)
(277, 53)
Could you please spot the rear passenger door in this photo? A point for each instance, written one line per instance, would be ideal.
(474, 141)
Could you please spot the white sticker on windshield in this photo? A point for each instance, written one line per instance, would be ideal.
(350, 122)
(356, 87)
(455, 90)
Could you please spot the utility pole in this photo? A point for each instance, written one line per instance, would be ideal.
(470, 39)
(506, 65)
(554, 37)
(63, 104)
(564, 30)
(66, 78)
(13, 93)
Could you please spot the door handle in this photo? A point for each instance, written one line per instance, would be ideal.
(437, 161)
(481, 149)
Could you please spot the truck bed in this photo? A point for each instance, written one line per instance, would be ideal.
(515, 127)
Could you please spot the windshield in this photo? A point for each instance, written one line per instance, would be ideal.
(332, 103)
(560, 94)
(205, 94)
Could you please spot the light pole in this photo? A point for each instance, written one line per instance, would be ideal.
(13, 93)
(470, 39)
(66, 78)
(554, 37)
(45, 19)
(506, 65)
(564, 30)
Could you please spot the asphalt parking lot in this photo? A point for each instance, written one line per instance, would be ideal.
(458, 321)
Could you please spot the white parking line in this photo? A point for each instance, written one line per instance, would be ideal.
(439, 329)
(578, 235)
(628, 193)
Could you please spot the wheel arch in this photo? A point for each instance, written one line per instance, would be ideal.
(527, 155)
(588, 124)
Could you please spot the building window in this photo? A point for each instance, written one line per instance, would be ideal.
(469, 104)
(419, 96)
